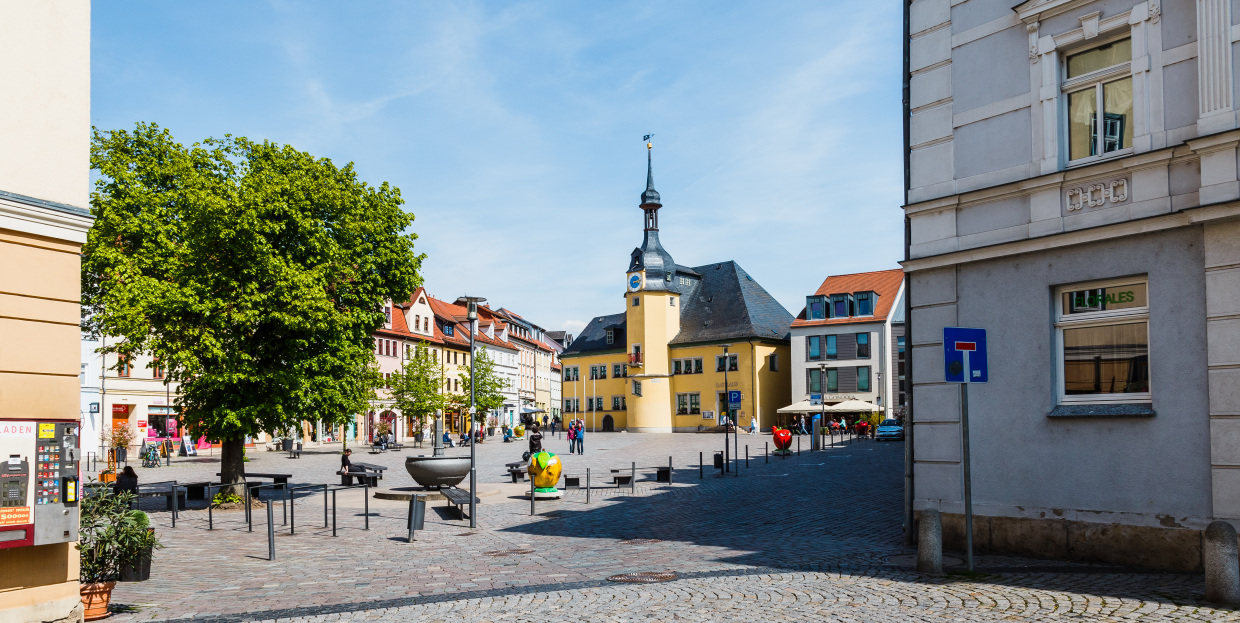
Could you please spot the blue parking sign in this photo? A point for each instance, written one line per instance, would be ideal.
(734, 396)
(964, 355)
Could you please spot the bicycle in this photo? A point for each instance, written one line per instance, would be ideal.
(151, 457)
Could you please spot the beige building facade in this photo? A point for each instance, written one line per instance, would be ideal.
(44, 169)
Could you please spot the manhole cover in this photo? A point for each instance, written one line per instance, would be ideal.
(644, 577)
(640, 541)
(509, 552)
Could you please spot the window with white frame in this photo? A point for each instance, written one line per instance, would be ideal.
(731, 365)
(611, 336)
(689, 403)
(1099, 79)
(1102, 339)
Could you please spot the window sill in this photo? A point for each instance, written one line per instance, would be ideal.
(1103, 411)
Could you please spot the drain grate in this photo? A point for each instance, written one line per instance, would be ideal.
(640, 541)
(643, 577)
(509, 552)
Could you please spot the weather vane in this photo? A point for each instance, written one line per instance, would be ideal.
(647, 138)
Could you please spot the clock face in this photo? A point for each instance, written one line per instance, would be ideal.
(635, 282)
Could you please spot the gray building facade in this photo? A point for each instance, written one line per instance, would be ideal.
(1073, 188)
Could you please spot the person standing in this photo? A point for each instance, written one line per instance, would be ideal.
(553, 423)
(571, 433)
(581, 438)
(535, 439)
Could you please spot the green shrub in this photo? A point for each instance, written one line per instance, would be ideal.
(224, 497)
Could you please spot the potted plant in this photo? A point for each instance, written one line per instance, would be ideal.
(119, 440)
(110, 536)
(139, 569)
(107, 475)
(492, 425)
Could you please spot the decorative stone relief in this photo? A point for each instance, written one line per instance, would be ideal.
(1032, 29)
(1155, 12)
(1089, 24)
(1096, 194)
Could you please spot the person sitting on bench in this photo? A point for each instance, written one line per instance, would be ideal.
(127, 480)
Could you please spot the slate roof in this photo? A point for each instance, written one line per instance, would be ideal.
(594, 336)
(724, 304)
(727, 304)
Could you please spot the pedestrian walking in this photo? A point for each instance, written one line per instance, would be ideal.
(553, 423)
(571, 433)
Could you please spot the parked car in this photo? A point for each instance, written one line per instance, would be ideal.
(889, 429)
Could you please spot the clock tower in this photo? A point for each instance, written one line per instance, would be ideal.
(652, 303)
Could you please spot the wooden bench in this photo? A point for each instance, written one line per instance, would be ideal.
(516, 471)
(459, 498)
(277, 479)
(366, 473)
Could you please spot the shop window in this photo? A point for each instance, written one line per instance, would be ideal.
(863, 378)
(1102, 334)
(863, 346)
(1099, 79)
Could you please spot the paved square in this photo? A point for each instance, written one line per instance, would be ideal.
(801, 538)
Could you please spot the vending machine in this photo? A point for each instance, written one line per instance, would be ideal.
(39, 482)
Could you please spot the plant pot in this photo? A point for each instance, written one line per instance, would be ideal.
(288, 445)
(122, 455)
(137, 570)
(95, 598)
(106, 477)
(491, 430)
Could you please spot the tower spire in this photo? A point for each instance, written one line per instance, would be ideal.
(650, 198)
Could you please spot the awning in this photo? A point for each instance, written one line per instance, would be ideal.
(853, 406)
(525, 410)
(803, 407)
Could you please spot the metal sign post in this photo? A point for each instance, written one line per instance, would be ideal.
(734, 406)
(964, 360)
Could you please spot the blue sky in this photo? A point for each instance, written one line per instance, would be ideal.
(514, 129)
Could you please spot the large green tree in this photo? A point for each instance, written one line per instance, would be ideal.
(254, 272)
(417, 390)
(488, 386)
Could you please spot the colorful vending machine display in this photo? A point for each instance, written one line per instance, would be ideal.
(38, 482)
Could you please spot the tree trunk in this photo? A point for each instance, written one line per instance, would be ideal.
(232, 464)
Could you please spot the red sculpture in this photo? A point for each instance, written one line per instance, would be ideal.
(782, 436)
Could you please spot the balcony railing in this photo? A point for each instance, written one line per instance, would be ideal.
(635, 359)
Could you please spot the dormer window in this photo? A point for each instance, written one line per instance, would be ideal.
(841, 305)
(387, 314)
(611, 336)
(815, 308)
(447, 329)
(864, 303)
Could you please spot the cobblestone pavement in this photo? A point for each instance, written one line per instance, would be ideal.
(808, 537)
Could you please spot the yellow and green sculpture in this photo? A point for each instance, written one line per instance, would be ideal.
(544, 470)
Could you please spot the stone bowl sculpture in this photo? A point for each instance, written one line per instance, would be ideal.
(437, 471)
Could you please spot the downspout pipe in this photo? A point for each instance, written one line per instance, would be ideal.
(910, 534)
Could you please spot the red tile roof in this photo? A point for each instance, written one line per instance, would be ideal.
(884, 282)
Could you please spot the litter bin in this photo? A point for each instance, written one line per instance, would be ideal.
(288, 445)
(718, 460)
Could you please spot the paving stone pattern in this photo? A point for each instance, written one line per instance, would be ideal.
(802, 538)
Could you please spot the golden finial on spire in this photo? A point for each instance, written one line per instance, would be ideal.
(647, 138)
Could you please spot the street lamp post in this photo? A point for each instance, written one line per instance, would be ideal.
(822, 390)
(438, 433)
(472, 315)
(727, 405)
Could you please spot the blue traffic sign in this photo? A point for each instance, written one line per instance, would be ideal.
(734, 396)
(964, 355)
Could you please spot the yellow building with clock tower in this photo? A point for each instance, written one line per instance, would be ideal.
(687, 336)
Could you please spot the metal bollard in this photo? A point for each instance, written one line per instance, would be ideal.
(271, 533)
(284, 504)
(633, 480)
(700, 465)
(366, 504)
(532, 509)
(930, 542)
(210, 503)
(746, 456)
(669, 471)
(249, 523)
(174, 505)
(324, 506)
(292, 510)
(587, 485)
(798, 445)
(766, 452)
(417, 516)
(1222, 572)
(333, 512)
